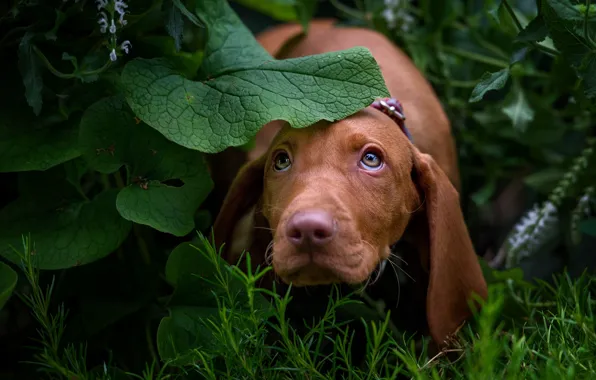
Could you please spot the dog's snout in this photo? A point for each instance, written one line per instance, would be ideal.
(313, 228)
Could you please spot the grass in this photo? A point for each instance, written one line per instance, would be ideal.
(525, 331)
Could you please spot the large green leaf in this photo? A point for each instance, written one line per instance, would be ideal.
(66, 234)
(184, 330)
(28, 144)
(8, 281)
(111, 137)
(244, 88)
(194, 271)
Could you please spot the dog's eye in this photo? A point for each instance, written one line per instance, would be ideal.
(281, 162)
(371, 161)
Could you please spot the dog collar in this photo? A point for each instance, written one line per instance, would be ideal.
(393, 108)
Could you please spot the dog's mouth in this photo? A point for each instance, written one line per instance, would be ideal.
(311, 275)
(325, 268)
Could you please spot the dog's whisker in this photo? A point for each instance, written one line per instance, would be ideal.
(264, 228)
(394, 267)
(269, 253)
(394, 264)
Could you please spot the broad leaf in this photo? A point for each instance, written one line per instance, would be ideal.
(66, 234)
(110, 137)
(8, 281)
(195, 270)
(518, 109)
(27, 146)
(185, 330)
(30, 69)
(245, 88)
(488, 82)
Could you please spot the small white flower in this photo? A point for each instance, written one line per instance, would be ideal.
(530, 232)
(113, 56)
(101, 4)
(119, 6)
(121, 20)
(113, 27)
(125, 46)
(103, 22)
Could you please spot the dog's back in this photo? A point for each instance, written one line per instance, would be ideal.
(426, 119)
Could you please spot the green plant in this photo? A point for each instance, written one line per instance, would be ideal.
(103, 140)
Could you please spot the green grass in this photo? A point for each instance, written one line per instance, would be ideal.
(524, 331)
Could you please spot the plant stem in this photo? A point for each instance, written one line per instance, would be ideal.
(476, 57)
(62, 75)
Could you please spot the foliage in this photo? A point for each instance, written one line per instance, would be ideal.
(110, 110)
(223, 329)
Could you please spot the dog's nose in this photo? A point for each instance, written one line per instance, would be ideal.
(310, 228)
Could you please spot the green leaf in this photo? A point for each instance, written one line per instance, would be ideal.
(191, 17)
(30, 69)
(588, 227)
(503, 19)
(565, 10)
(195, 270)
(247, 88)
(488, 82)
(566, 28)
(175, 25)
(25, 144)
(282, 10)
(535, 31)
(186, 329)
(110, 137)
(305, 9)
(66, 234)
(8, 281)
(194, 276)
(517, 108)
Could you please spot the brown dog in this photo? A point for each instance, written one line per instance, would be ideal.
(324, 204)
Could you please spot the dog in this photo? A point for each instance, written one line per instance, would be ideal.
(336, 202)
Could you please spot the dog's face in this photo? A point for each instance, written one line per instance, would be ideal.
(324, 204)
(336, 196)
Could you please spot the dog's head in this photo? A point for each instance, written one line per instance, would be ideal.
(324, 204)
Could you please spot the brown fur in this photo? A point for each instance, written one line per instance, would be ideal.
(412, 198)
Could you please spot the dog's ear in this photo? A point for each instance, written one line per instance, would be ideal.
(240, 224)
(446, 249)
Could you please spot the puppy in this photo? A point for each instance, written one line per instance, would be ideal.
(326, 204)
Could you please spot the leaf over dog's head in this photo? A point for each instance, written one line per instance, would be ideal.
(242, 87)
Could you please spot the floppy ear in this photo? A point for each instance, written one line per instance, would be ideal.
(455, 272)
(240, 224)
